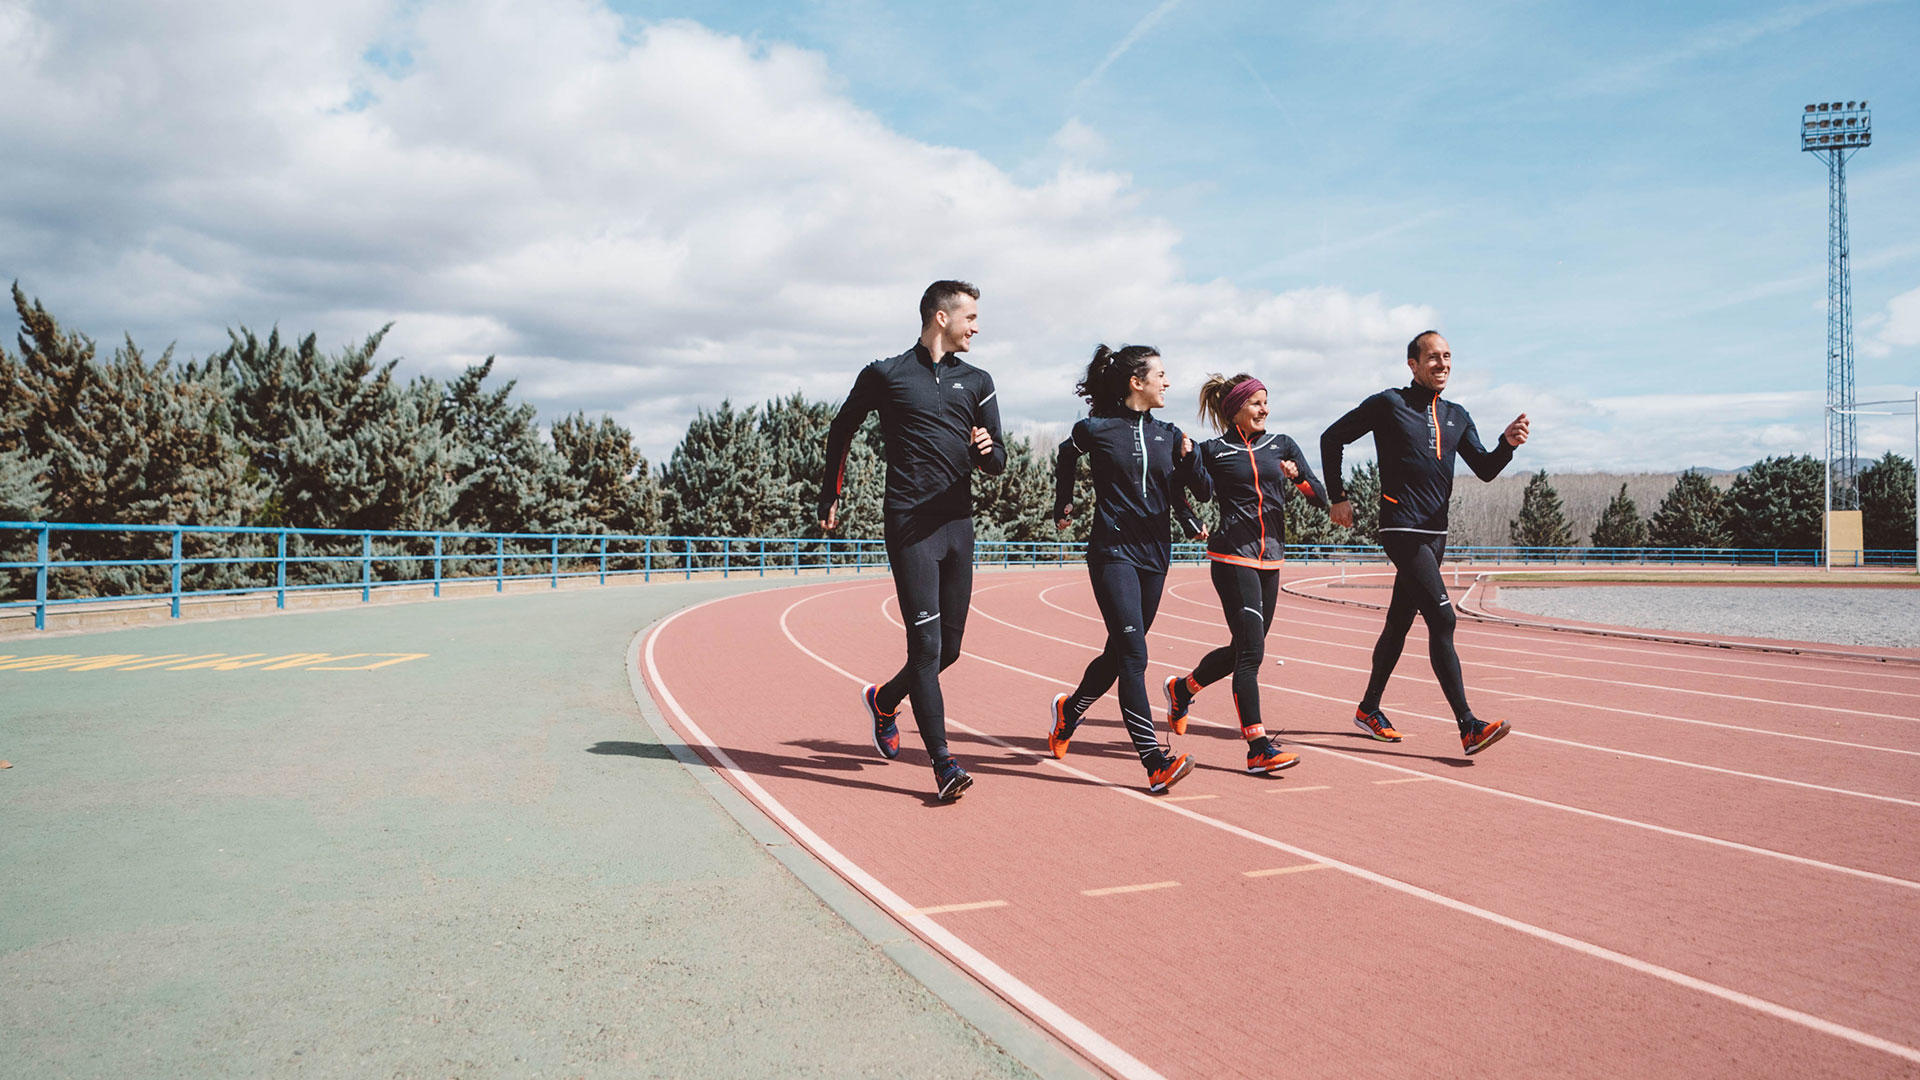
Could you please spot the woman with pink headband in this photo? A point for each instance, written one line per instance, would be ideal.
(1251, 471)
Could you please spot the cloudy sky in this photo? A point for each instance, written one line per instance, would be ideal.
(644, 207)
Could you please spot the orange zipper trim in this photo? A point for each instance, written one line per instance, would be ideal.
(1433, 410)
(1259, 497)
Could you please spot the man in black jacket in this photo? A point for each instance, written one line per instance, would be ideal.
(1416, 436)
(940, 422)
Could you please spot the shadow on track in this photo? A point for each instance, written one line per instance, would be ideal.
(632, 749)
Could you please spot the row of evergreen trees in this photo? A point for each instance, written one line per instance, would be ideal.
(271, 432)
(1776, 504)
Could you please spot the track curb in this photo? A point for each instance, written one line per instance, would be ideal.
(998, 1021)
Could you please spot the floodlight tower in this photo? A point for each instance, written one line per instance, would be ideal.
(1833, 132)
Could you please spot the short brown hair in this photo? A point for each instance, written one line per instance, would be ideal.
(939, 296)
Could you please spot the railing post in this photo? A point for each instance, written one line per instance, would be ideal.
(646, 568)
(796, 556)
(176, 574)
(366, 567)
(499, 564)
(603, 560)
(280, 573)
(763, 556)
(726, 557)
(689, 560)
(436, 565)
(556, 561)
(41, 548)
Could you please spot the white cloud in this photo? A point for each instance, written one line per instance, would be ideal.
(638, 223)
(638, 219)
(1897, 328)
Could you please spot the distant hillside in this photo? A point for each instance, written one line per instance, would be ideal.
(1480, 512)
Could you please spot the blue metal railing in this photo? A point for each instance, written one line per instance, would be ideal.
(70, 564)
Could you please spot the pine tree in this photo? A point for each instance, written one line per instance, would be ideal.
(1363, 492)
(1308, 524)
(1776, 504)
(125, 442)
(715, 479)
(1620, 524)
(338, 441)
(1886, 504)
(618, 491)
(1542, 522)
(506, 477)
(1691, 516)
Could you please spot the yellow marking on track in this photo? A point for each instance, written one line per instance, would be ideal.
(41, 663)
(1186, 798)
(171, 658)
(101, 663)
(942, 909)
(1285, 870)
(311, 661)
(394, 658)
(1130, 888)
(1309, 787)
(1407, 780)
(220, 662)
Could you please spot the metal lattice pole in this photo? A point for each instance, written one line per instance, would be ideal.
(1843, 445)
(1833, 132)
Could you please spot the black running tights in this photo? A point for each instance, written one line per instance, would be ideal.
(1247, 596)
(1417, 587)
(1129, 597)
(933, 577)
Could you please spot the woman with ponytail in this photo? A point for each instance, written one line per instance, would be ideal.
(1138, 463)
(1251, 472)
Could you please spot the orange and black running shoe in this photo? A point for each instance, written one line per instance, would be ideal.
(1476, 735)
(1179, 700)
(1376, 724)
(1175, 770)
(886, 732)
(1062, 727)
(1273, 759)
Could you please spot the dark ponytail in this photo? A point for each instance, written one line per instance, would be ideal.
(1110, 375)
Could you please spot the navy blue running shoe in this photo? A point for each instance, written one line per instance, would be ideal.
(886, 733)
(953, 779)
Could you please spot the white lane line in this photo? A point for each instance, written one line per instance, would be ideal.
(1483, 632)
(1186, 798)
(942, 909)
(1586, 948)
(1363, 759)
(1365, 623)
(1286, 870)
(1003, 982)
(1531, 697)
(1407, 780)
(1310, 787)
(1116, 890)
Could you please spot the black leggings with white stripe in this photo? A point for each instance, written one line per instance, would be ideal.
(1417, 588)
(933, 577)
(1247, 597)
(1129, 597)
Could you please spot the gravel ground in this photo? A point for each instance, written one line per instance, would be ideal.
(1841, 616)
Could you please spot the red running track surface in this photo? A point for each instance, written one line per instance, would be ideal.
(1682, 862)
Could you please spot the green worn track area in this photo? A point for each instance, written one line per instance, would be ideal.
(431, 839)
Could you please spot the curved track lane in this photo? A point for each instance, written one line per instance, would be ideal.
(1682, 863)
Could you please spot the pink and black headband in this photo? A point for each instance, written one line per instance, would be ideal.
(1238, 396)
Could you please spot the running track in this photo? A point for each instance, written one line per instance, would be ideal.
(1683, 862)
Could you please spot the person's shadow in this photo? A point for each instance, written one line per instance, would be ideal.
(633, 749)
